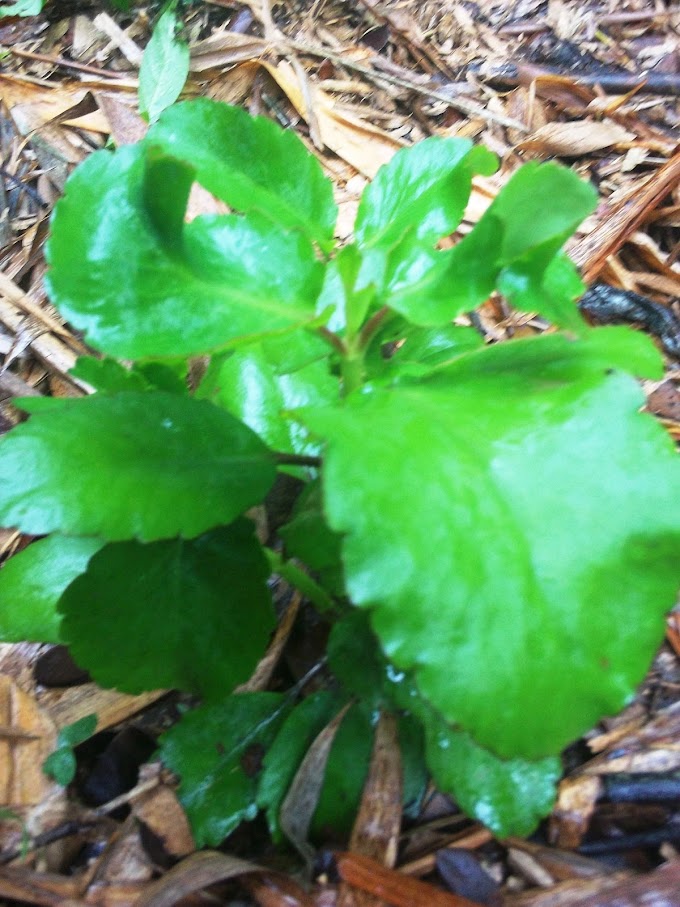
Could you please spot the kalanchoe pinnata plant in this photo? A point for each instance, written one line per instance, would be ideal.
(493, 530)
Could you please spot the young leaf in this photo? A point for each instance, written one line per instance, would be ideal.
(61, 764)
(545, 505)
(513, 248)
(509, 797)
(216, 750)
(164, 69)
(423, 190)
(216, 612)
(32, 582)
(246, 384)
(154, 286)
(287, 751)
(251, 164)
(148, 466)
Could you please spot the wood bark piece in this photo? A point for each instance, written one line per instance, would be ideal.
(111, 707)
(376, 828)
(618, 222)
(574, 808)
(660, 888)
(393, 887)
(27, 737)
(571, 893)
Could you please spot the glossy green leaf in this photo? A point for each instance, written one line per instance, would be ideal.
(127, 270)
(500, 516)
(509, 797)
(415, 200)
(355, 659)
(61, 764)
(246, 384)
(423, 190)
(346, 771)
(217, 750)
(283, 758)
(416, 351)
(414, 770)
(107, 375)
(164, 69)
(308, 538)
(287, 353)
(345, 306)
(193, 614)
(170, 376)
(250, 163)
(513, 247)
(32, 582)
(147, 466)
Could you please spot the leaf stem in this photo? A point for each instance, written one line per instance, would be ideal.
(291, 459)
(297, 577)
(352, 372)
(371, 327)
(333, 340)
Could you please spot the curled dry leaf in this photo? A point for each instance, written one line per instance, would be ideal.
(575, 139)
(209, 868)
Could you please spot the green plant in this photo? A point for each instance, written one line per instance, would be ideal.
(61, 764)
(492, 530)
(165, 65)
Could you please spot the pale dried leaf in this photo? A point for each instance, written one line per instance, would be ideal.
(198, 872)
(299, 805)
(576, 139)
(571, 816)
(362, 145)
(225, 48)
(124, 123)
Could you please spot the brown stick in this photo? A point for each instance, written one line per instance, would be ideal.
(394, 887)
(67, 64)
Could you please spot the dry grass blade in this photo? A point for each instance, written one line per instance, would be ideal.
(198, 872)
(299, 805)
